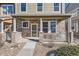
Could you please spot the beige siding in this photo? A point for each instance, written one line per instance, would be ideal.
(48, 8)
(31, 8)
(61, 26)
(63, 8)
(17, 9)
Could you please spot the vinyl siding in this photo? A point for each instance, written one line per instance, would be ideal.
(48, 9)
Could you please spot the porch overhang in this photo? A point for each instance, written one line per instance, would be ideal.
(55, 16)
(6, 19)
(75, 18)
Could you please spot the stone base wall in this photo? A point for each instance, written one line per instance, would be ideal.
(12, 36)
(52, 37)
(16, 36)
(26, 33)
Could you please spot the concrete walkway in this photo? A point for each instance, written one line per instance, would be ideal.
(28, 49)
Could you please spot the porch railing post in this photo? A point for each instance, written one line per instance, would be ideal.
(49, 29)
(14, 25)
(71, 32)
(41, 25)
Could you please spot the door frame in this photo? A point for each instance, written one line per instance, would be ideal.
(36, 28)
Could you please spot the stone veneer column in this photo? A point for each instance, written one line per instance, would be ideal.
(14, 25)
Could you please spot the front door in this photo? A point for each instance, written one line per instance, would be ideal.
(34, 30)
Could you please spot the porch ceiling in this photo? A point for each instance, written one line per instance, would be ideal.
(49, 16)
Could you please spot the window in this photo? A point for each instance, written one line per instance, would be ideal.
(23, 7)
(56, 6)
(45, 27)
(25, 24)
(39, 6)
(7, 9)
(53, 26)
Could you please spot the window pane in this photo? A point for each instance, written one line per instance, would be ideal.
(25, 24)
(4, 9)
(45, 24)
(53, 27)
(39, 6)
(45, 27)
(56, 6)
(10, 9)
(23, 6)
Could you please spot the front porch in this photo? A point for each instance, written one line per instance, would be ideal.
(34, 28)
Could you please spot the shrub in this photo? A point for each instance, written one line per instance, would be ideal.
(67, 51)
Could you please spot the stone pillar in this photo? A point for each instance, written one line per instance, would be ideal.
(41, 25)
(2, 26)
(14, 25)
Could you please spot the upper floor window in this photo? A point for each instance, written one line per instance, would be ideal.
(39, 6)
(23, 7)
(7, 9)
(56, 6)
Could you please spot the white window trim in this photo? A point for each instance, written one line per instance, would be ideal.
(25, 21)
(50, 25)
(2, 9)
(56, 11)
(26, 8)
(42, 8)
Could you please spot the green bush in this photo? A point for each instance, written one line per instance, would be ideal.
(67, 51)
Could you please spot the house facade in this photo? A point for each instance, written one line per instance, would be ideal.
(42, 21)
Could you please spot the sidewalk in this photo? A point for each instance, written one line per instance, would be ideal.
(28, 49)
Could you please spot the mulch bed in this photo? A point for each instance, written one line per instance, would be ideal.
(43, 49)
